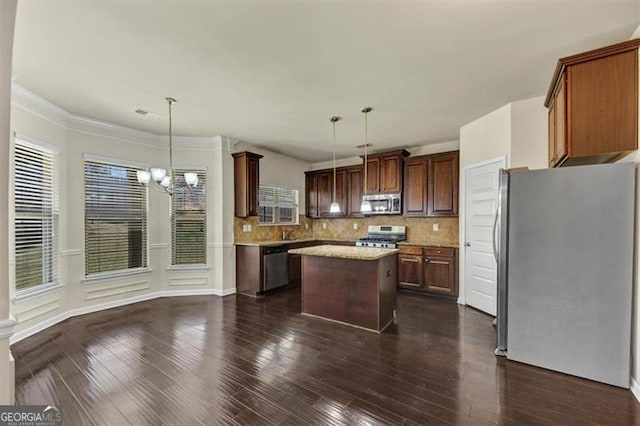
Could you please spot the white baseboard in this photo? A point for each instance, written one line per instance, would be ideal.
(635, 389)
(23, 334)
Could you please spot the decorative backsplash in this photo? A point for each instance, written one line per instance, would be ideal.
(271, 232)
(418, 229)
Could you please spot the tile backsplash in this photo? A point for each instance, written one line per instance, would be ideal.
(418, 229)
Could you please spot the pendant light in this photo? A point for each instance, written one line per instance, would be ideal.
(335, 207)
(159, 175)
(365, 207)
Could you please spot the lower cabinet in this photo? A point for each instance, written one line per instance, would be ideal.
(431, 270)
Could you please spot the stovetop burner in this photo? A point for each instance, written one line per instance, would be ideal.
(383, 236)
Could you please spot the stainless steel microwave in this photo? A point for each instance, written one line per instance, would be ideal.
(384, 203)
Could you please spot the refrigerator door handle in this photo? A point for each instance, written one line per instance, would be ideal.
(494, 240)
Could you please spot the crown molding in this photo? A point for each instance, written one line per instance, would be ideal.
(97, 127)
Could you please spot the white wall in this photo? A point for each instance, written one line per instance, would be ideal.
(76, 137)
(7, 22)
(278, 169)
(529, 134)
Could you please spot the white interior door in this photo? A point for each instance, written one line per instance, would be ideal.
(481, 202)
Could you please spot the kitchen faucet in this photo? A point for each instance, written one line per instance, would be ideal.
(286, 235)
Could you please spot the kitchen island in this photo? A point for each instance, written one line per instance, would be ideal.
(350, 285)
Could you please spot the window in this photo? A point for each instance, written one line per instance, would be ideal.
(188, 221)
(115, 217)
(278, 205)
(36, 215)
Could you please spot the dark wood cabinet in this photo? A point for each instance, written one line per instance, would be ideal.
(384, 171)
(440, 271)
(373, 174)
(432, 270)
(325, 193)
(593, 106)
(319, 192)
(443, 184)
(416, 172)
(295, 268)
(410, 270)
(246, 183)
(355, 182)
(431, 185)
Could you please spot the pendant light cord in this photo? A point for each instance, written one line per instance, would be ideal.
(366, 144)
(170, 101)
(334, 161)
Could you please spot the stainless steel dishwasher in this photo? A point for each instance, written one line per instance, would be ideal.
(276, 266)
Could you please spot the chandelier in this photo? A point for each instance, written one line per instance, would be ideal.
(160, 176)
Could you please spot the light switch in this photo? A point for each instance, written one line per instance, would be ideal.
(306, 226)
(324, 225)
(436, 227)
(246, 228)
(355, 225)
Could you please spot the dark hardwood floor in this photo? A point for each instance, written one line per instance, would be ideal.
(238, 360)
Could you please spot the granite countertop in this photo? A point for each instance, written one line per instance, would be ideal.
(282, 242)
(274, 242)
(345, 252)
(427, 244)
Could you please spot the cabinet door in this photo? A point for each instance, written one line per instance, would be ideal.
(342, 195)
(415, 186)
(311, 183)
(552, 134)
(325, 191)
(560, 107)
(355, 180)
(440, 275)
(603, 99)
(373, 175)
(295, 268)
(253, 186)
(391, 174)
(409, 271)
(443, 185)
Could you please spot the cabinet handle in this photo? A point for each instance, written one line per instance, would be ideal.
(439, 252)
(426, 260)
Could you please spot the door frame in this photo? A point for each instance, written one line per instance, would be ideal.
(462, 226)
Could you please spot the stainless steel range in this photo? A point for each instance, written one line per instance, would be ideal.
(383, 236)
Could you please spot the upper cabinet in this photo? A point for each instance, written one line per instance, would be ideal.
(431, 185)
(319, 192)
(384, 171)
(593, 106)
(443, 184)
(246, 183)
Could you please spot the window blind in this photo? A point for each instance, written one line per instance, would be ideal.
(188, 220)
(115, 218)
(36, 216)
(278, 205)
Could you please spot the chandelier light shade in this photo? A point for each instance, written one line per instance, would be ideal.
(335, 207)
(365, 207)
(161, 176)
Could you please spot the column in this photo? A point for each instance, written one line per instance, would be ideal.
(220, 208)
(7, 23)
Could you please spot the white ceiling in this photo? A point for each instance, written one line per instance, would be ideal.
(272, 73)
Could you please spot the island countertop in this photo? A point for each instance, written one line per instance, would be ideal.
(345, 252)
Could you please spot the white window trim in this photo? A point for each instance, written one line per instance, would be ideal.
(38, 289)
(188, 267)
(191, 266)
(116, 162)
(35, 291)
(297, 206)
(115, 274)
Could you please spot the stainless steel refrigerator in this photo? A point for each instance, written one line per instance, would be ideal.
(563, 240)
